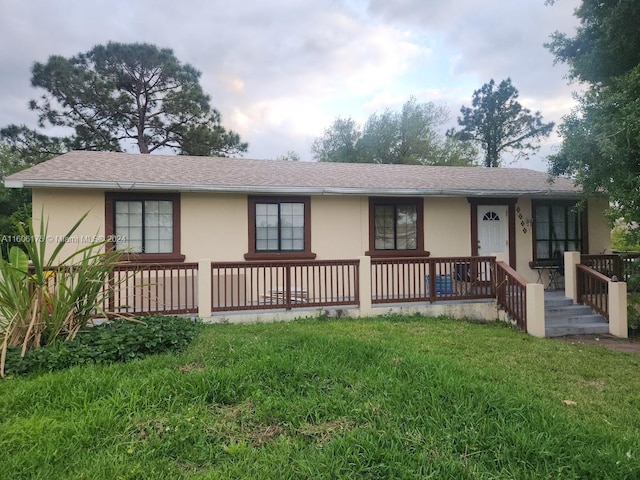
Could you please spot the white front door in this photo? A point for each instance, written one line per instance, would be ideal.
(493, 230)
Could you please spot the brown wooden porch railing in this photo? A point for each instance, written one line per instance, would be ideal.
(295, 284)
(622, 265)
(429, 279)
(593, 289)
(511, 294)
(168, 288)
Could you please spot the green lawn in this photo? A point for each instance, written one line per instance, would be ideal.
(381, 398)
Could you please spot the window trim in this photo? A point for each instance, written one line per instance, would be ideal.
(419, 251)
(253, 254)
(584, 228)
(110, 220)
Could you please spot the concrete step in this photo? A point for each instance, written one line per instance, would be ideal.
(556, 301)
(562, 317)
(567, 311)
(583, 329)
(576, 320)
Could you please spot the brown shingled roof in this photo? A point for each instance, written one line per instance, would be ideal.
(113, 171)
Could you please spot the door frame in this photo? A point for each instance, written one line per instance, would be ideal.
(511, 223)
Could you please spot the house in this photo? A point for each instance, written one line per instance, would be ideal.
(184, 209)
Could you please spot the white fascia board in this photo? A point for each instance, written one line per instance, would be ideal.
(278, 190)
(14, 184)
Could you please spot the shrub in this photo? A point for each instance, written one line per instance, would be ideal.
(119, 340)
(45, 296)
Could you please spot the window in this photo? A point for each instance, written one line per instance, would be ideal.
(146, 225)
(396, 226)
(558, 228)
(279, 226)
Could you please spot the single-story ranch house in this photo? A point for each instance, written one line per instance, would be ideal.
(164, 209)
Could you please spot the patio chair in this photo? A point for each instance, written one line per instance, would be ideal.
(462, 276)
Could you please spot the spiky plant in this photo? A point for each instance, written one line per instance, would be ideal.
(45, 296)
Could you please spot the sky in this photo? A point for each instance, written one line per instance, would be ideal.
(280, 72)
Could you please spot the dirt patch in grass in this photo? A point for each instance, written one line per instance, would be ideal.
(606, 341)
(324, 432)
(191, 367)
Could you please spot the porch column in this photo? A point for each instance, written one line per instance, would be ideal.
(535, 310)
(204, 288)
(364, 286)
(571, 259)
(618, 309)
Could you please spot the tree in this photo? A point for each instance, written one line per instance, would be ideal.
(606, 44)
(15, 204)
(408, 136)
(499, 124)
(290, 156)
(21, 147)
(119, 94)
(601, 137)
(338, 144)
(28, 147)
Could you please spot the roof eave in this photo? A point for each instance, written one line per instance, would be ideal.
(280, 190)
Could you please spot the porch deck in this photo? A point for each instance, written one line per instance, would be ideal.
(462, 287)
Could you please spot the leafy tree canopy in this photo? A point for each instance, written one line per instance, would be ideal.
(499, 124)
(119, 94)
(15, 204)
(606, 43)
(408, 136)
(601, 137)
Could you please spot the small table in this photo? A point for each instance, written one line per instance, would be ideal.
(552, 274)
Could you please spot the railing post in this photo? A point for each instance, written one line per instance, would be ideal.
(535, 310)
(204, 288)
(432, 280)
(571, 259)
(287, 286)
(364, 286)
(618, 309)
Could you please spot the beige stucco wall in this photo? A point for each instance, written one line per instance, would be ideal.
(339, 227)
(62, 209)
(599, 228)
(447, 227)
(524, 239)
(216, 226)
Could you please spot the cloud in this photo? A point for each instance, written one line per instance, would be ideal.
(281, 71)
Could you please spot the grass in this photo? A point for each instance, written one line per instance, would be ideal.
(391, 397)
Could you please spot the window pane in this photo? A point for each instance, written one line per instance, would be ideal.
(135, 246)
(266, 226)
(396, 227)
(542, 223)
(407, 227)
(128, 226)
(557, 230)
(158, 230)
(384, 228)
(144, 226)
(542, 250)
(277, 225)
(291, 225)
